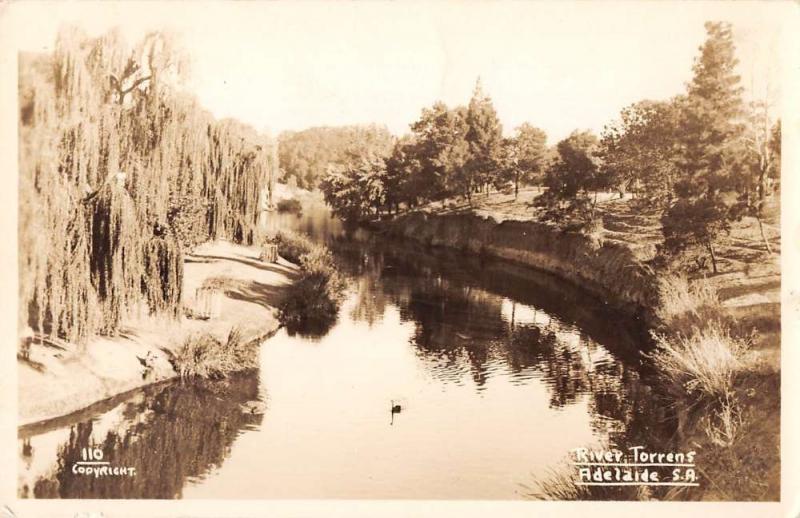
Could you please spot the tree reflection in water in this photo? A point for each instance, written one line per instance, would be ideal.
(458, 305)
(181, 432)
(471, 321)
(474, 314)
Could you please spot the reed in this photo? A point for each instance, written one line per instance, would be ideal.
(558, 484)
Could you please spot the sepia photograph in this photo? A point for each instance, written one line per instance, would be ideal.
(386, 251)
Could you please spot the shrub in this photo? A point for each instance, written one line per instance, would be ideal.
(312, 302)
(292, 246)
(706, 363)
(310, 306)
(206, 356)
(290, 206)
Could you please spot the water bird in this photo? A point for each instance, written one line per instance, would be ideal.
(395, 409)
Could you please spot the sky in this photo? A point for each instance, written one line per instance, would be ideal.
(558, 65)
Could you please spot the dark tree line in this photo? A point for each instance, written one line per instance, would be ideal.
(450, 152)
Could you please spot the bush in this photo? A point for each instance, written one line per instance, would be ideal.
(290, 206)
(312, 303)
(208, 357)
(292, 246)
(310, 306)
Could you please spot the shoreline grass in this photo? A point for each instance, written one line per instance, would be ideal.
(705, 363)
(685, 305)
(697, 351)
(708, 368)
(206, 356)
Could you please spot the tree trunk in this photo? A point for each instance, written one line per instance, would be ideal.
(763, 236)
(713, 257)
(516, 187)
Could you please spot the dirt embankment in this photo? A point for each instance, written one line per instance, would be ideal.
(60, 378)
(609, 270)
(612, 264)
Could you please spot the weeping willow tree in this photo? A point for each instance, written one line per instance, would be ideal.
(112, 151)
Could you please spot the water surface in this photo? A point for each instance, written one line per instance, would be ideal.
(499, 372)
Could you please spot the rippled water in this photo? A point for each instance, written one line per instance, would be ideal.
(499, 373)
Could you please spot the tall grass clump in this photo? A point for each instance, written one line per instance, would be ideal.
(111, 151)
(312, 303)
(695, 351)
(559, 484)
(704, 364)
(206, 356)
(684, 305)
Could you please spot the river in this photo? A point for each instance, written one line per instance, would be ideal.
(498, 372)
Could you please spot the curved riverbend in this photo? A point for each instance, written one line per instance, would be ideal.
(499, 371)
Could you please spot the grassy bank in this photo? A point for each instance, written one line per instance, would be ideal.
(57, 378)
(725, 396)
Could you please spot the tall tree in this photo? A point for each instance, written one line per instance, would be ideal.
(710, 128)
(575, 169)
(639, 149)
(571, 176)
(526, 155)
(119, 166)
(759, 163)
(357, 189)
(441, 150)
(485, 139)
(401, 168)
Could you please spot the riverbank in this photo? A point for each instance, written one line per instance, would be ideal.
(59, 378)
(736, 339)
(611, 263)
(609, 271)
